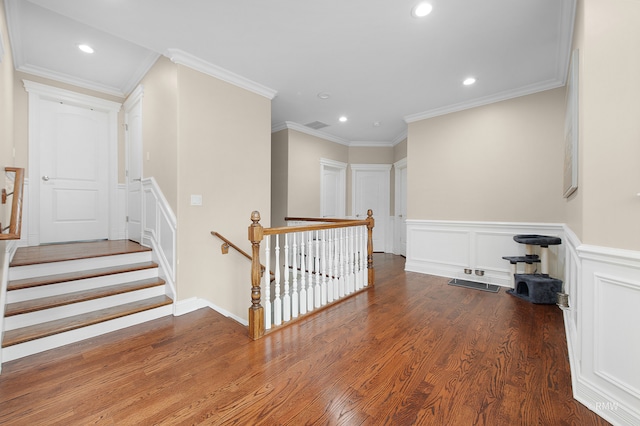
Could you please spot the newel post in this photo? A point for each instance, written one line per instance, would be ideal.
(370, 224)
(256, 311)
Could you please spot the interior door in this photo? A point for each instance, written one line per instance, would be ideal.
(371, 187)
(73, 179)
(332, 188)
(133, 127)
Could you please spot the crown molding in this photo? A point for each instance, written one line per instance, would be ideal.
(135, 79)
(331, 138)
(181, 57)
(306, 130)
(64, 78)
(474, 103)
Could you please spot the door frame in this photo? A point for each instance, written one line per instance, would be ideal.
(399, 166)
(134, 101)
(36, 93)
(342, 171)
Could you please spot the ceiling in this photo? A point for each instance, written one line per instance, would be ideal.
(381, 67)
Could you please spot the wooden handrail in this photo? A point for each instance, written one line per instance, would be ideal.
(256, 235)
(15, 222)
(227, 243)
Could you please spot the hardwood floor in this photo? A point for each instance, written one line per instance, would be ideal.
(413, 350)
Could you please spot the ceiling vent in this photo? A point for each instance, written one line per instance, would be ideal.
(317, 125)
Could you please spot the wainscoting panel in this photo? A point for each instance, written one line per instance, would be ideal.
(448, 248)
(608, 333)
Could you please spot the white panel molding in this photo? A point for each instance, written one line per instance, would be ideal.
(181, 57)
(160, 232)
(601, 324)
(446, 248)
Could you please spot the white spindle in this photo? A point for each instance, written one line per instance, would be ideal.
(303, 275)
(330, 296)
(294, 270)
(336, 252)
(277, 303)
(310, 272)
(267, 283)
(317, 290)
(342, 260)
(323, 263)
(363, 257)
(286, 301)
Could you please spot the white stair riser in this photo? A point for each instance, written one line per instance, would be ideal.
(33, 318)
(78, 285)
(29, 348)
(54, 268)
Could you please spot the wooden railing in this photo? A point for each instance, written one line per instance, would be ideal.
(226, 243)
(12, 231)
(322, 263)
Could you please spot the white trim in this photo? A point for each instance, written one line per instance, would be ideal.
(194, 303)
(181, 57)
(486, 100)
(398, 221)
(308, 131)
(598, 326)
(65, 78)
(372, 144)
(37, 92)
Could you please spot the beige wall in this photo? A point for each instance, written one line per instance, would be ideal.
(608, 36)
(160, 127)
(305, 152)
(279, 177)
(400, 150)
(500, 162)
(224, 154)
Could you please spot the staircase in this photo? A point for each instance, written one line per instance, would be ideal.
(64, 293)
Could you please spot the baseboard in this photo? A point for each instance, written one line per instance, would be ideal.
(194, 303)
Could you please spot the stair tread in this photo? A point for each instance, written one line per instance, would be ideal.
(79, 275)
(34, 305)
(25, 334)
(73, 251)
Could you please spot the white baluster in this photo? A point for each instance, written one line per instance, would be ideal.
(277, 303)
(363, 256)
(267, 283)
(303, 275)
(342, 260)
(310, 272)
(352, 260)
(294, 270)
(335, 281)
(329, 253)
(286, 302)
(317, 289)
(323, 266)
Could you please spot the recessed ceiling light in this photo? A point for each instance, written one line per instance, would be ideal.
(324, 95)
(469, 81)
(85, 48)
(342, 119)
(421, 10)
(376, 124)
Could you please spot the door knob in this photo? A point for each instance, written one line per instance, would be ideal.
(45, 178)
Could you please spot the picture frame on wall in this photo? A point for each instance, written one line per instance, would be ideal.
(570, 180)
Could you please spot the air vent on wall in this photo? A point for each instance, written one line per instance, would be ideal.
(316, 125)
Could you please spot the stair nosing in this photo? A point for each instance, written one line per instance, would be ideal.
(11, 337)
(13, 309)
(78, 275)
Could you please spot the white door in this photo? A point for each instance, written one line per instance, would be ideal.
(133, 132)
(371, 187)
(401, 206)
(74, 196)
(332, 188)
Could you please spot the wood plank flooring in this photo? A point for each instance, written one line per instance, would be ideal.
(411, 351)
